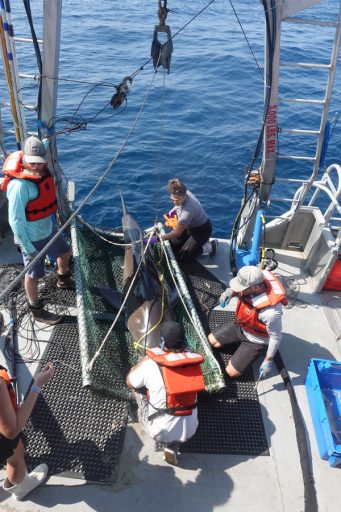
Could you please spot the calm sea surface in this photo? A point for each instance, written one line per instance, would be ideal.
(199, 123)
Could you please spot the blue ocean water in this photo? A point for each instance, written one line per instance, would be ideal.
(199, 123)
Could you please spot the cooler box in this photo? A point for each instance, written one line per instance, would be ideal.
(323, 386)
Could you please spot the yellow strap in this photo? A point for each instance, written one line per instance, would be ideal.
(161, 280)
(137, 343)
(262, 258)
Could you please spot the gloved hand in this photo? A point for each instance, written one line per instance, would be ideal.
(171, 213)
(171, 222)
(265, 367)
(225, 297)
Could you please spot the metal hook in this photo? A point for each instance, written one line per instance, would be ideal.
(122, 91)
(162, 12)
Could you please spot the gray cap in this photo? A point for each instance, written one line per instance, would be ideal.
(246, 277)
(34, 151)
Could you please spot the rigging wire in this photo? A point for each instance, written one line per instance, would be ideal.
(158, 180)
(4, 293)
(77, 110)
(171, 271)
(82, 125)
(271, 41)
(37, 51)
(258, 146)
(29, 350)
(99, 350)
(247, 40)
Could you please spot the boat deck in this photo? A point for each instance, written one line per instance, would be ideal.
(204, 482)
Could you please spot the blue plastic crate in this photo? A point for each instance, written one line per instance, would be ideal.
(323, 386)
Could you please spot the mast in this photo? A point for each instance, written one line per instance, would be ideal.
(272, 45)
(275, 12)
(52, 15)
(248, 226)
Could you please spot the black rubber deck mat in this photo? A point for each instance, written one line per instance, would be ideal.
(230, 421)
(75, 432)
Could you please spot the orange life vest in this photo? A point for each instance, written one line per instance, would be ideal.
(248, 307)
(8, 380)
(183, 379)
(46, 202)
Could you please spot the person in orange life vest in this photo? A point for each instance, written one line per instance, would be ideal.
(258, 323)
(31, 203)
(190, 237)
(13, 418)
(168, 416)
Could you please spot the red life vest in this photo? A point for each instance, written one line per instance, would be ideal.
(46, 202)
(183, 379)
(8, 380)
(248, 307)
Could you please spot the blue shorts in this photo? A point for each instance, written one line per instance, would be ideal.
(59, 247)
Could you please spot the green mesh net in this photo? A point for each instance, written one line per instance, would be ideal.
(99, 262)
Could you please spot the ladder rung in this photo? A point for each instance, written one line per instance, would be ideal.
(26, 40)
(283, 200)
(338, 219)
(293, 157)
(303, 132)
(305, 21)
(292, 180)
(301, 100)
(30, 107)
(29, 77)
(275, 217)
(310, 65)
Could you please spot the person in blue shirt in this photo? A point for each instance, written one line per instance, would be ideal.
(31, 205)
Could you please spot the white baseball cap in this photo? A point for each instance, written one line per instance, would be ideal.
(247, 276)
(34, 151)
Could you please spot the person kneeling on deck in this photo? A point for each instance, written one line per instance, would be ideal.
(31, 203)
(258, 321)
(165, 384)
(18, 481)
(192, 229)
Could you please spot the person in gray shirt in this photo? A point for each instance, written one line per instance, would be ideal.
(190, 237)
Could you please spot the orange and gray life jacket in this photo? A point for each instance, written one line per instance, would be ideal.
(46, 202)
(248, 308)
(8, 380)
(183, 379)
